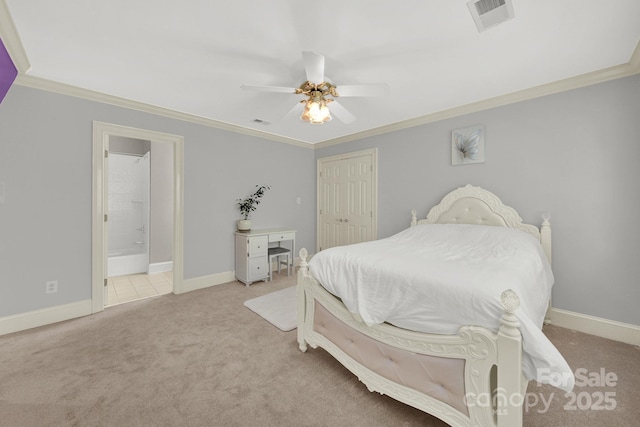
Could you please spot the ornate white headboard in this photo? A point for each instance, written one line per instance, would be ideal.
(475, 205)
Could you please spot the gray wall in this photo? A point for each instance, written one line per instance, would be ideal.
(45, 222)
(575, 154)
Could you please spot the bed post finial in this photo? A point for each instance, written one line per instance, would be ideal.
(545, 235)
(508, 322)
(414, 218)
(304, 267)
(545, 217)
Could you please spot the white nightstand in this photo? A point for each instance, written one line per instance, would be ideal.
(252, 247)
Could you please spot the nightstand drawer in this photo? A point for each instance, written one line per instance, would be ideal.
(258, 268)
(278, 237)
(258, 246)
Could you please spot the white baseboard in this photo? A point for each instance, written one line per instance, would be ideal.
(611, 329)
(207, 281)
(45, 316)
(160, 267)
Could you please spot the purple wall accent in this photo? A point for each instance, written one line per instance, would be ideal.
(8, 71)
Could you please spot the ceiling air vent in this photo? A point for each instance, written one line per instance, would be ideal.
(487, 13)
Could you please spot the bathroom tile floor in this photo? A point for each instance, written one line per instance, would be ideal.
(122, 289)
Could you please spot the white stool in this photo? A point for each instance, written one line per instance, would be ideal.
(277, 253)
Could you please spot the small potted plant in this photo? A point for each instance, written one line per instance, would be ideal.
(248, 205)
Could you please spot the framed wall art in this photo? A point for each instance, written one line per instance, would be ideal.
(467, 145)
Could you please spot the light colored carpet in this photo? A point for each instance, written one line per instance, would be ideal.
(202, 359)
(277, 308)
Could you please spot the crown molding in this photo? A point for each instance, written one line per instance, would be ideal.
(11, 40)
(64, 89)
(583, 80)
(576, 82)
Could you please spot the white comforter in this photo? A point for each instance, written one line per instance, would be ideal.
(436, 278)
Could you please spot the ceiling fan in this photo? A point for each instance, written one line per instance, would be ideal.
(320, 93)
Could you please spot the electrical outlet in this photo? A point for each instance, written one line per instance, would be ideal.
(51, 287)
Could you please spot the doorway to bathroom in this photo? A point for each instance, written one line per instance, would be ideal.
(129, 208)
(137, 214)
(140, 207)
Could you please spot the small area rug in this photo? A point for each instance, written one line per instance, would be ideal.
(277, 308)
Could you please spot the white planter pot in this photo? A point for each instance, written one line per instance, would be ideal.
(244, 225)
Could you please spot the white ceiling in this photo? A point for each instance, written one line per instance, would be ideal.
(193, 56)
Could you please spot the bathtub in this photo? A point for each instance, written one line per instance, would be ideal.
(129, 261)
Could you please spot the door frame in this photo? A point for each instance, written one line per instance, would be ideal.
(101, 133)
(373, 152)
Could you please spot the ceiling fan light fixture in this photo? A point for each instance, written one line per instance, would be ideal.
(318, 92)
(316, 111)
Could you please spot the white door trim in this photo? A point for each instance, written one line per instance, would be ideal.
(101, 133)
(373, 152)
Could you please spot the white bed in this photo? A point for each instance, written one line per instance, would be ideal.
(429, 359)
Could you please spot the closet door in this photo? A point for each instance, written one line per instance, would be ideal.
(331, 204)
(346, 199)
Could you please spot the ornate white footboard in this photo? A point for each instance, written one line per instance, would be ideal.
(473, 378)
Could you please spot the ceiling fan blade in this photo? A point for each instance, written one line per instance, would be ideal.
(259, 88)
(341, 113)
(314, 67)
(381, 89)
(294, 112)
